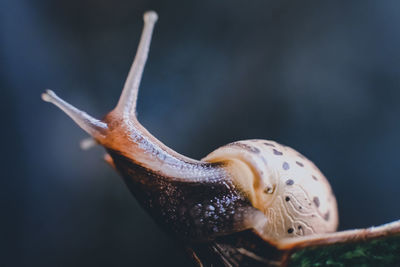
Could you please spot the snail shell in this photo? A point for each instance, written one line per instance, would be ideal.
(253, 184)
(289, 189)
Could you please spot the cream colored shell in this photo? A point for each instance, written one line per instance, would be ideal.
(289, 189)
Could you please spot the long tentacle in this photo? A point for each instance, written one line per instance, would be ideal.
(127, 101)
(92, 126)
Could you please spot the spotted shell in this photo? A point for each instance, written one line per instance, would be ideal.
(289, 189)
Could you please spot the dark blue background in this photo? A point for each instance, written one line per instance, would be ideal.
(320, 77)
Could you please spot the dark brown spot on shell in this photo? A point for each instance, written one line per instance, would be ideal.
(316, 201)
(326, 216)
(300, 164)
(285, 166)
(315, 178)
(287, 199)
(300, 207)
(269, 144)
(301, 156)
(290, 230)
(299, 227)
(278, 153)
(290, 182)
(246, 147)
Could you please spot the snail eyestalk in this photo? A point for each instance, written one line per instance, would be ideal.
(127, 102)
(121, 133)
(92, 126)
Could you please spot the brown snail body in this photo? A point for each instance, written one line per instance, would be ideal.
(252, 184)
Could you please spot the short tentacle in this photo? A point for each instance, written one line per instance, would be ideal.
(87, 143)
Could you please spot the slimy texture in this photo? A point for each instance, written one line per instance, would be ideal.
(193, 210)
(289, 189)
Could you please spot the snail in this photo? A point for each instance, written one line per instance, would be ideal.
(252, 185)
(257, 184)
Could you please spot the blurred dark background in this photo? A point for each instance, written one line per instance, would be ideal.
(320, 77)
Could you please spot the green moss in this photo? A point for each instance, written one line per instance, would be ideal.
(379, 252)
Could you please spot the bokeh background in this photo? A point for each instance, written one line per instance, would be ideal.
(322, 77)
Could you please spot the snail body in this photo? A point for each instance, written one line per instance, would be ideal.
(252, 184)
